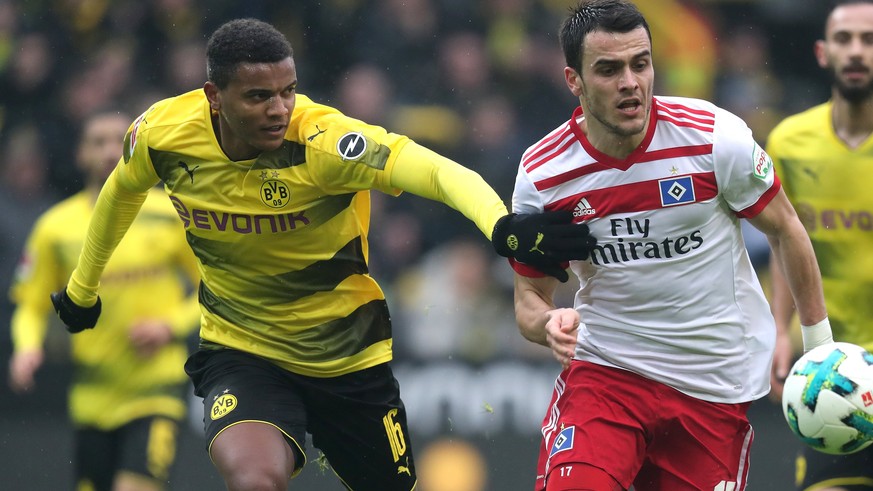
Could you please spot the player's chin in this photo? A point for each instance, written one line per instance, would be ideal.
(270, 142)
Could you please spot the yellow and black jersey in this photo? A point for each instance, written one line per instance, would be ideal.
(148, 278)
(828, 183)
(282, 239)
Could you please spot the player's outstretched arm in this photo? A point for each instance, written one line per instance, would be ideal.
(78, 305)
(544, 241)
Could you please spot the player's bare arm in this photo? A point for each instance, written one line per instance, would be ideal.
(782, 306)
(793, 249)
(540, 321)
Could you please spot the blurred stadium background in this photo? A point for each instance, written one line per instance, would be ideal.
(476, 80)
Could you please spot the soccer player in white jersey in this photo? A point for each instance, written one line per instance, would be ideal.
(670, 337)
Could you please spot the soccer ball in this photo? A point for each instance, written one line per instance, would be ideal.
(828, 398)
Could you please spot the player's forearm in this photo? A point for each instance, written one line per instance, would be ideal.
(29, 326)
(425, 173)
(531, 307)
(801, 273)
(781, 302)
(114, 211)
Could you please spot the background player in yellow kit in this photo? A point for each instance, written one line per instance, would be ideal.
(128, 386)
(824, 157)
(273, 190)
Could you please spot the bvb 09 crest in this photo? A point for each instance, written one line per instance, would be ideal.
(223, 404)
(275, 193)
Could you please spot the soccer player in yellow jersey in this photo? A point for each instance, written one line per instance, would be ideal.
(128, 385)
(824, 157)
(273, 190)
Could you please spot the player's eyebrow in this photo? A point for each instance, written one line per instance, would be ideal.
(618, 61)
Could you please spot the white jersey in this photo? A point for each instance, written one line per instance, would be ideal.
(670, 292)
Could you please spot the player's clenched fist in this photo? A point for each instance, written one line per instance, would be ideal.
(75, 317)
(543, 240)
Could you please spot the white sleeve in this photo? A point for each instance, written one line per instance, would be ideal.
(743, 169)
(525, 198)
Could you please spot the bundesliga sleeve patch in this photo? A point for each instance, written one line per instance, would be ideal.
(763, 163)
(676, 190)
(564, 440)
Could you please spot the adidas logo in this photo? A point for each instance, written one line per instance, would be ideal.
(583, 208)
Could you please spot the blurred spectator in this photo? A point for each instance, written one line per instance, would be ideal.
(24, 195)
(399, 36)
(185, 69)
(28, 80)
(102, 79)
(465, 70)
(365, 92)
(449, 306)
(493, 143)
(685, 47)
(746, 85)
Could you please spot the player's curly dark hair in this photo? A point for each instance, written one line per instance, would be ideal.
(590, 15)
(243, 41)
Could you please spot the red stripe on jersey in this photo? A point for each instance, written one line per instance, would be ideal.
(676, 152)
(679, 115)
(544, 146)
(699, 112)
(558, 151)
(654, 155)
(634, 197)
(686, 124)
(763, 201)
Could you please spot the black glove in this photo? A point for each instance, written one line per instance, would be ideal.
(543, 240)
(75, 317)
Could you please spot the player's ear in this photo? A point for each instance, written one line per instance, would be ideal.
(211, 91)
(574, 81)
(820, 54)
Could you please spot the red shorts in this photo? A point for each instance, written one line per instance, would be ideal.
(642, 432)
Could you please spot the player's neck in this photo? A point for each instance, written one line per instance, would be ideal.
(609, 142)
(853, 121)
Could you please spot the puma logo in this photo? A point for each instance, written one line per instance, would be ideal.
(403, 468)
(320, 131)
(536, 246)
(190, 172)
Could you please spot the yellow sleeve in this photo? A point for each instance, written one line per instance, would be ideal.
(425, 173)
(29, 326)
(117, 205)
(114, 211)
(39, 272)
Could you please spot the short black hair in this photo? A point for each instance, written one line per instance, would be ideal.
(590, 15)
(243, 41)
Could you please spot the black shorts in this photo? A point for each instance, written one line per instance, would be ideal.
(357, 420)
(853, 472)
(144, 447)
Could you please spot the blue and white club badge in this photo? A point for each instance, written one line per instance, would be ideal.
(676, 191)
(564, 440)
